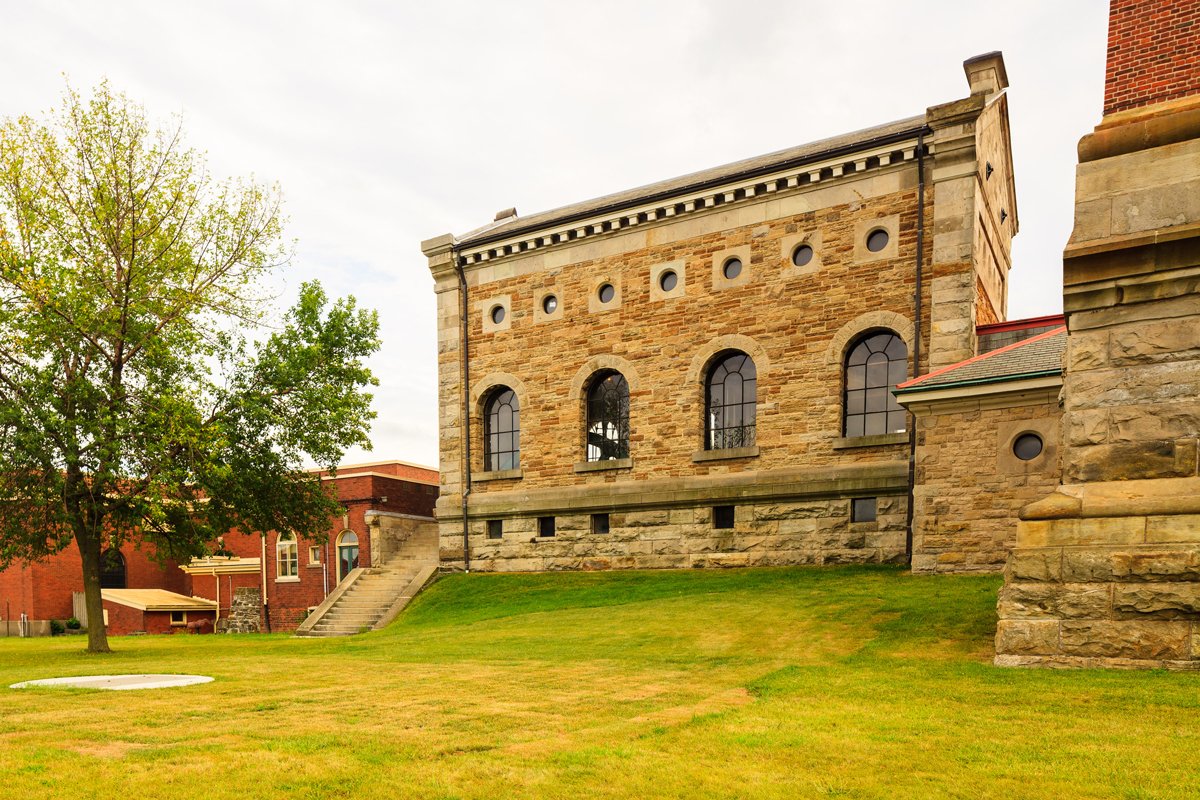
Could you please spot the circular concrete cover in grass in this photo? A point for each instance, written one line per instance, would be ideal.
(117, 682)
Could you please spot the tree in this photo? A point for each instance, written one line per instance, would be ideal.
(133, 405)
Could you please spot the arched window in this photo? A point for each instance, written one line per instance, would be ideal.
(112, 569)
(608, 417)
(873, 366)
(730, 397)
(502, 430)
(287, 556)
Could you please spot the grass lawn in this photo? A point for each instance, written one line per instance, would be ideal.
(792, 683)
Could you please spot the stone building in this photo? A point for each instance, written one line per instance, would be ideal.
(383, 501)
(698, 372)
(1106, 569)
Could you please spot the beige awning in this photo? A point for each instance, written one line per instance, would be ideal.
(156, 600)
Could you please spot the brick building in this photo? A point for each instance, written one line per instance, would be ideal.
(698, 372)
(142, 594)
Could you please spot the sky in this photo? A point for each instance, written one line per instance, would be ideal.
(387, 123)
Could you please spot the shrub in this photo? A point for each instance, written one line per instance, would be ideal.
(73, 624)
(56, 627)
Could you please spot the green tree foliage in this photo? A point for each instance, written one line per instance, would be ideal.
(133, 405)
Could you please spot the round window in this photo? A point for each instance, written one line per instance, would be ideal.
(550, 304)
(1028, 446)
(607, 293)
(498, 314)
(732, 268)
(802, 255)
(668, 280)
(877, 240)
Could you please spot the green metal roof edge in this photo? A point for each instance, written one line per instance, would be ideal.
(976, 381)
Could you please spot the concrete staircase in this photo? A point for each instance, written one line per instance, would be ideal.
(370, 598)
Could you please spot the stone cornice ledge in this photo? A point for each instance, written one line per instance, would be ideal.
(757, 486)
(819, 171)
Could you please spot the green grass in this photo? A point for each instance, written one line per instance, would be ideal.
(789, 683)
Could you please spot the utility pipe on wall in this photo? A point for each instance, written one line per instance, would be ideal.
(465, 329)
(916, 369)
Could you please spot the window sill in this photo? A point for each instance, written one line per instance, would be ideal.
(848, 442)
(313, 565)
(720, 455)
(288, 580)
(496, 475)
(600, 466)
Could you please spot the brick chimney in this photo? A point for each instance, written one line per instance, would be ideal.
(1153, 52)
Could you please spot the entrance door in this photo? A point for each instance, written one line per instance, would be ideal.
(347, 552)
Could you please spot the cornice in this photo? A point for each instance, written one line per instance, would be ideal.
(732, 193)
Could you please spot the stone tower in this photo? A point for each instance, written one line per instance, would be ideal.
(1107, 568)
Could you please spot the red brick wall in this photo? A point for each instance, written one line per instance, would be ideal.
(123, 620)
(1153, 52)
(43, 590)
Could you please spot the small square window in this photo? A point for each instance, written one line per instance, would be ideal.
(599, 523)
(314, 555)
(545, 526)
(723, 517)
(179, 618)
(495, 529)
(862, 509)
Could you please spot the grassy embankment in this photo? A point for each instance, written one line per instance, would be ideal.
(836, 682)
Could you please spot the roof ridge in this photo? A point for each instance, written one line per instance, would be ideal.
(975, 359)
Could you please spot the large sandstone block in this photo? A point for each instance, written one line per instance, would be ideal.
(1027, 637)
(1140, 639)
(1162, 600)
(1054, 601)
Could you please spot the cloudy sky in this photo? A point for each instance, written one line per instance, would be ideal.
(389, 123)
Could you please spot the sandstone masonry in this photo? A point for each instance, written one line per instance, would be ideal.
(788, 496)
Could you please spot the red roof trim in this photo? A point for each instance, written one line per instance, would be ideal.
(1020, 324)
(1005, 349)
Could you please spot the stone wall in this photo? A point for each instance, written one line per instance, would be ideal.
(768, 534)
(1104, 572)
(969, 484)
(245, 614)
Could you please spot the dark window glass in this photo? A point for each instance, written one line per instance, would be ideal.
(112, 569)
(502, 430)
(545, 526)
(873, 366)
(863, 509)
(877, 240)
(607, 293)
(802, 255)
(498, 314)
(668, 280)
(608, 417)
(599, 523)
(550, 304)
(732, 268)
(1028, 446)
(495, 528)
(732, 395)
(723, 517)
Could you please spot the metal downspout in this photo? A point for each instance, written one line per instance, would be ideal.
(916, 370)
(464, 323)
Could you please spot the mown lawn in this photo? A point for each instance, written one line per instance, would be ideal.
(789, 683)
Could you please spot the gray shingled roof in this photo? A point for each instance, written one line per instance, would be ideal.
(758, 164)
(1040, 355)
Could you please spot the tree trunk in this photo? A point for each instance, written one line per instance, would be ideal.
(89, 549)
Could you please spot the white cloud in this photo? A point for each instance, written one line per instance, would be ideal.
(389, 123)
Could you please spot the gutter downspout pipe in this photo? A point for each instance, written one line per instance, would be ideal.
(916, 370)
(464, 330)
